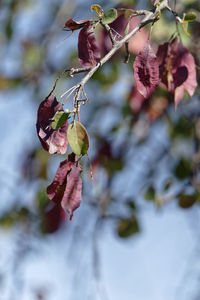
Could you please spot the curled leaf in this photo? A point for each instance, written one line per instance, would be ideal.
(66, 188)
(78, 138)
(177, 69)
(53, 141)
(73, 25)
(146, 71)
(98, 9)
(88, 50)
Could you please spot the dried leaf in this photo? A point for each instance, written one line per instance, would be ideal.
(53, 141)
(146, 71)
(73, 25)
(88, 50)
(66, 188)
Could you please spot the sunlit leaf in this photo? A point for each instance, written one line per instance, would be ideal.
(59, 119)
(109, 16)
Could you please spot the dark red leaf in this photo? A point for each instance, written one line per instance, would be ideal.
(146, 71)
(66, 187)
(53, 141)
(53, 217)
(73, 25)
(88, 50)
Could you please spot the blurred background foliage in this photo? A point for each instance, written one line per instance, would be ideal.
(142, 152)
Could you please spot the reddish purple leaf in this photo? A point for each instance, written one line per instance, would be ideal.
(177, 69)
(88, 50)
(73, 25)
(53, 141)
(146, 71)
(72, 196)
(53, 217)
(66, 187)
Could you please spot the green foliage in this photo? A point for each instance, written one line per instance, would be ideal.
(128, 227)
(78, 138)
(59, 119)
(109, 16)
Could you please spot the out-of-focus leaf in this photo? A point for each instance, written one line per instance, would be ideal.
(189, 17)
(150, 193)
(182, 127)
(109, 16)
(59, 119)
(168, 184)
(78, 138)
(113, 164)
(128, 227)
(14, 216)
(183, 169)
(186, 201)
(131, 205)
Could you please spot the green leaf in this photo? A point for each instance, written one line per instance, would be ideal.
(126, 31)
(59, 119)
(128, 227)
(150, 193)
(189, 17)
(183, 169)
(186, 201)
(109, 16)
(78, 138)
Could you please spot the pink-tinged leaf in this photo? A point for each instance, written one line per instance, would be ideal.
(53, 141)
(66, 187)
(73, 25)
(146, 71)
(136, 100)
(177, 69)
(88, 50)
(185, 76)
(72, 195)
(56, 189)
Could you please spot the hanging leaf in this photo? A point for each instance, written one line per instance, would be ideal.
(126, 31)
(98, 9)
(53, 141)
(78, 138)
(88, 50)
(59, 119)
(109, 16)
(177, 69)
(66, 188)
(146, 71)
